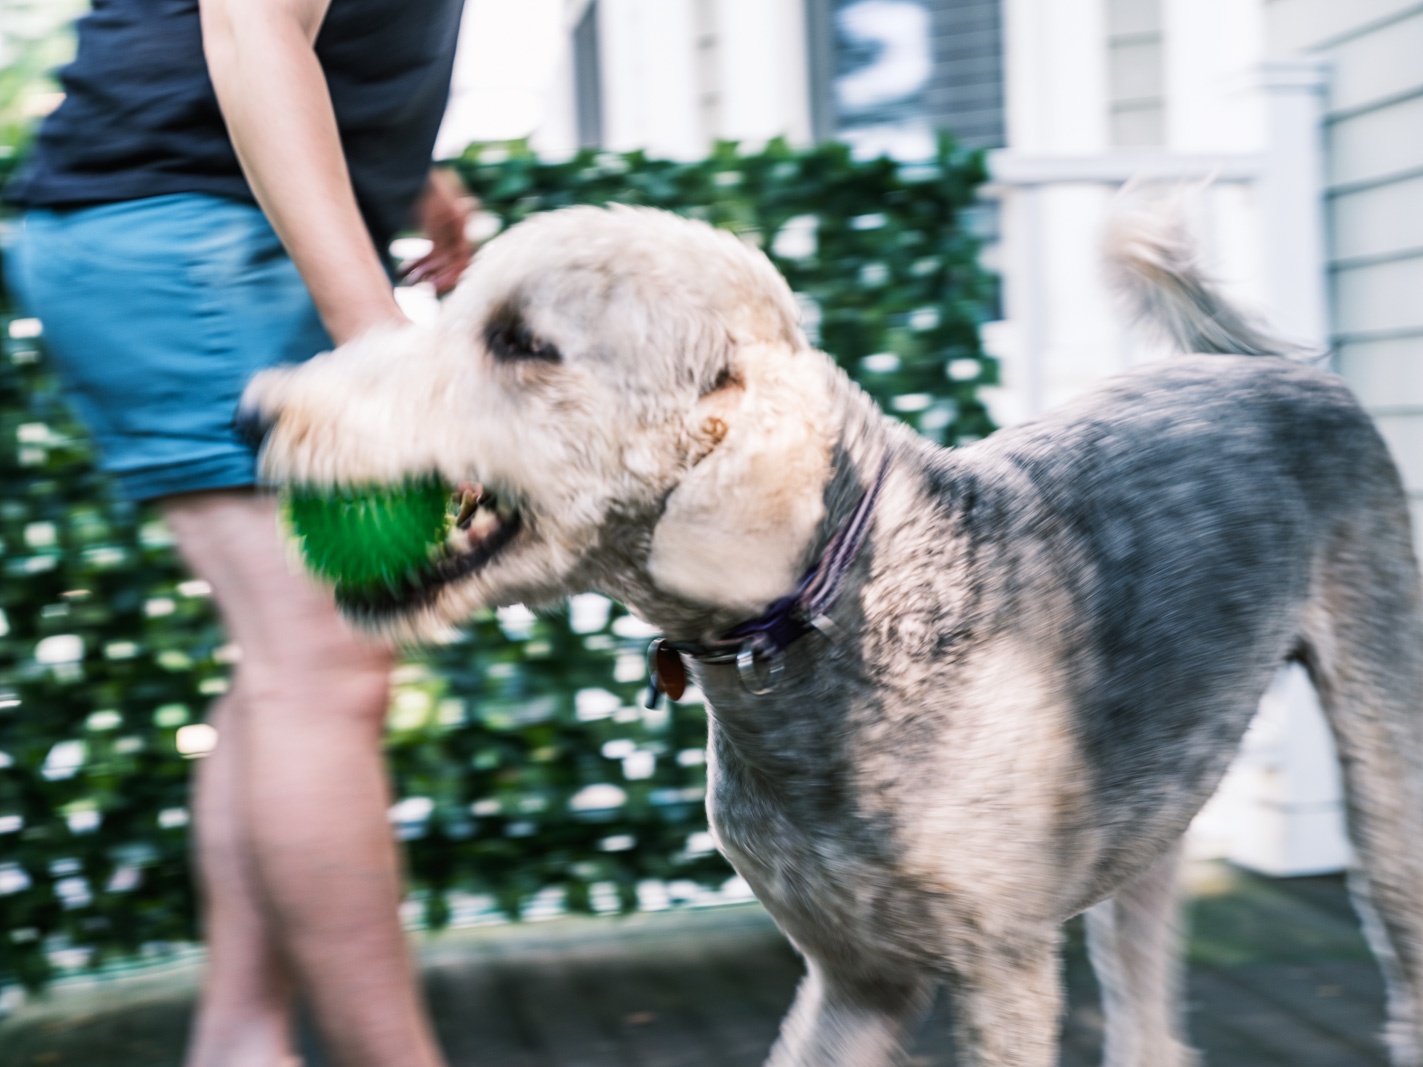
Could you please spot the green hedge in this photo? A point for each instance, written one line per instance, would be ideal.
(529, 775)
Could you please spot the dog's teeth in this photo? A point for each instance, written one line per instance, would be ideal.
(470, 498)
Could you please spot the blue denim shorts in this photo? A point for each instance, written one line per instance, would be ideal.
(156, 312)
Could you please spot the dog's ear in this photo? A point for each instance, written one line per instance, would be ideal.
(736, 530)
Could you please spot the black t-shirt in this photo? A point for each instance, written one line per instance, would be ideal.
(140, 118)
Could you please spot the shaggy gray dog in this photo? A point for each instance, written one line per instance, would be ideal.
(957, 696)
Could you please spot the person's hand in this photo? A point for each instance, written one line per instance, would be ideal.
(443, 214)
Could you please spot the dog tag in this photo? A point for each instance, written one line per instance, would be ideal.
(670, 670)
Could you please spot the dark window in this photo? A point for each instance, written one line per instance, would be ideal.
(887, 74)
(966, 95)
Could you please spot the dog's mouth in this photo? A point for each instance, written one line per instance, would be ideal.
(484, 525)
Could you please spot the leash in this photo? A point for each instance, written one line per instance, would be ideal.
(766, 638)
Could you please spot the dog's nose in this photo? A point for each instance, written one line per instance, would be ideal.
(251, 424)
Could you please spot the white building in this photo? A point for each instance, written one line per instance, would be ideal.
(1303, 117)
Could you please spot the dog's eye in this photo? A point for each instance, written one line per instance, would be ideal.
(511, 341)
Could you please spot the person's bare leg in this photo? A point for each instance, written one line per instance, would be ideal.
(312, 703)
(244, 1017)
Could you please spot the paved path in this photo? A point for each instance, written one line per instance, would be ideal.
(1279, 978)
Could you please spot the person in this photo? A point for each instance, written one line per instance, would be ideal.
(213, 196)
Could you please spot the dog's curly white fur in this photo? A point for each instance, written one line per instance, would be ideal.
(1048, 648)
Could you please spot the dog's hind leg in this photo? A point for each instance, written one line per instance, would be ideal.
(1132, 938)
(844, 1020)
(1363, 645)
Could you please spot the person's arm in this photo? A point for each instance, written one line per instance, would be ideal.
(273, 94)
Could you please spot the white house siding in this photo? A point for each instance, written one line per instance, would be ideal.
(676, 75)
(1136, 73)
(1148, 82)
(1375, 203)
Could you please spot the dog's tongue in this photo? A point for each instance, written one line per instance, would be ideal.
(483, 524)
(477, 518)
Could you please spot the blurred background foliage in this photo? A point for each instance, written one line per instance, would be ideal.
(530, 780)
(36, 36)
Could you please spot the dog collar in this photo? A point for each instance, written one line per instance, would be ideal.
(765, 639)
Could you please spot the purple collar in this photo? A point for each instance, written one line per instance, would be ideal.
(765, 639)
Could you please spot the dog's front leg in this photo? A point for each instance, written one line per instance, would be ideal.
(843, 1020)
(1007, 998)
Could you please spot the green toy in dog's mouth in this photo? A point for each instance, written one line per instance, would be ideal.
(389, 548)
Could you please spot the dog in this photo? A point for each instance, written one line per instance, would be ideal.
(956, 696)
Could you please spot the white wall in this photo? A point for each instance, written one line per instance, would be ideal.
(1057, 75)
(1064, 330)
(654, 82)
(1211, 48)
(649, 77)
(508, 57)
(764, 73)
(1061, 332)
(1217, 103)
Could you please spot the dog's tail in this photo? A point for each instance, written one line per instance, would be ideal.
(1154, 263)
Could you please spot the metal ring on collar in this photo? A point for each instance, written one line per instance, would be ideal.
(826, 625)
(746, 667)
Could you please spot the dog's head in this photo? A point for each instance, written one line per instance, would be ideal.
(630, 389)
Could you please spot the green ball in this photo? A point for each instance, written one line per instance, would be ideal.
(369, 537)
